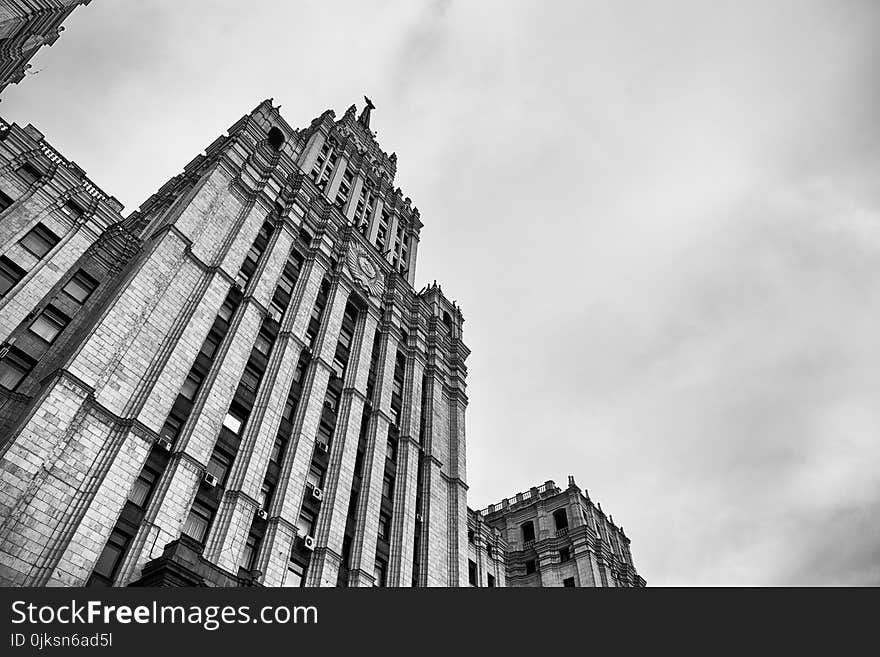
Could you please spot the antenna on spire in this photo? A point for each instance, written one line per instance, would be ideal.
(364, 118)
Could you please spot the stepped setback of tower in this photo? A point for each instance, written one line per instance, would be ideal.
(236, 384)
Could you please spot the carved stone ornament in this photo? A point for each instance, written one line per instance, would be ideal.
(364, 272)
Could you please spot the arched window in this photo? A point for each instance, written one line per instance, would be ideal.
(560, 517)
(276, 138)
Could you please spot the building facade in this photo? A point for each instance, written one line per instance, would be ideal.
(550, 537)
(25, 27)
(236, 384)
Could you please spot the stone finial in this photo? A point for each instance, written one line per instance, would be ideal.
(571, 483)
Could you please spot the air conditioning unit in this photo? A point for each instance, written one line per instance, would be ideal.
(237, 286)
(4, 351)
(317, 493)
(322, 447)
(275, 314)
(420, 517)
(262, 514)
(309, 542)
(210, 479)
(165, 443)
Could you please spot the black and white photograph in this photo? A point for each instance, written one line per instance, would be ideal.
(436, 294)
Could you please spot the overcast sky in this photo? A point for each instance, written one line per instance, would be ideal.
(661, 220)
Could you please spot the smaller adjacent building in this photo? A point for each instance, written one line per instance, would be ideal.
(548, 536)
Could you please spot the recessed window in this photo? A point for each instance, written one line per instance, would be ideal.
(251, 547)
(198, 521)
(10, 275)
(40, 240)
(490, 581)
(29, 173)
(14, 368)
(531, 567)
(263, 344)
(191, 385)
(528, 531)
(568, 582)
(276, 138)
(111, 556)
(296, 573)
(472, 573)
(5, 201)
(384, 527)
(379, 571)
(80, 286)
(560, 517)
(388, 486)
(219, 465)
(140, 491)
(73, 210)
(232, 423)
(305, 525)
(49, 324)
(565, 554)
(315, 478)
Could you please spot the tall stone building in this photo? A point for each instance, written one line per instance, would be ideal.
(235, 384)
(25, 27)
(547, 537)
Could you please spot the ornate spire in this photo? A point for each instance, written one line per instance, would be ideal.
(364, 118)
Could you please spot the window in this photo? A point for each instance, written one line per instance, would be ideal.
(172, 426)
(528, 531)
(490, 551)
(29, 173)
(296, 573)
(226, 310)
(391, 449)
(490, 581)
(49, 324)
(276, 138)
(198, 521)
(470, 535)
(72, 209)
(472, 573)
(209, 346)
(142, 487)
(39, 241)
(305, 525)
(5, 201)
(315, 478)
(250, 378)
(191, 385)
(112, 554)
(249, 556)
(219, 465)
(263, 344)
(80, 286)
(531, 567)
(384, 527)
(379, 573)
(232, 423)
(565, 554)
(560, 517)
(277, 449)
(265, 497)
(10, 275)
(388, 486)
(568, 582)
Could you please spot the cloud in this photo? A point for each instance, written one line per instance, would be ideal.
(661, 220)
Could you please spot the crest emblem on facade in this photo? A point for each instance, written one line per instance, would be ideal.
(364, 272)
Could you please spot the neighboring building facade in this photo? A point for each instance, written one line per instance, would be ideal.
(551, 537)
(25, 27)
(237, 384)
